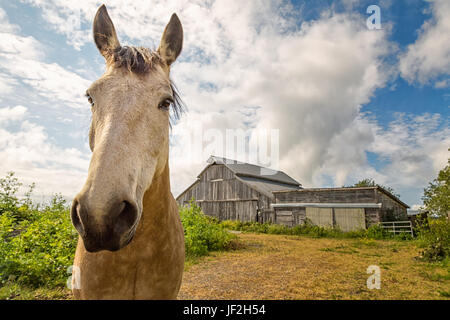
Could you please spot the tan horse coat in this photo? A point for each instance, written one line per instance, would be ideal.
(151, 266)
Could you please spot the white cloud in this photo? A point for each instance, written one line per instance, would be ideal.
(8, 115)
(442, 84)
(416, 147)
(429, 57)
(4, 23)
(34, 157)
(412, 149)
(21, 61)
(25, 147)
(6, 85)
(60, 86)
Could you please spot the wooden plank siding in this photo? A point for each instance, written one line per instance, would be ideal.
(320, 216)
(285, 218)
(222, 195)
(390, 208)
(349, 219)
(327, 196)
(390, 205)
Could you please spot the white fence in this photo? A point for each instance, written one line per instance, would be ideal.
(398, 227)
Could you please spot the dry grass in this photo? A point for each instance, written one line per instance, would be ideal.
(289, 267)
(17, 292)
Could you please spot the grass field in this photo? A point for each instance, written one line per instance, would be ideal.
(292, 267)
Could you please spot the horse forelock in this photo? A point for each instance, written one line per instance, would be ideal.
(139, 60)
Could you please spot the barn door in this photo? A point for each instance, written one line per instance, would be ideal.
(320, 216)
(285, 218)
(350, 219)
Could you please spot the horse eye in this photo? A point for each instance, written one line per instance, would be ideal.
(165, 104)
(91, 101)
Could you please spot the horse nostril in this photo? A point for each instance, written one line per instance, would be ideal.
(126, 218)
(75, 216)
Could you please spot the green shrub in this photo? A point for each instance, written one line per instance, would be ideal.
(434, 238)
(377, 232)
(202, 233)
(10, 204)
(309, 229)
(37, 251)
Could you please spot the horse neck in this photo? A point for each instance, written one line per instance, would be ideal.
(157, 207)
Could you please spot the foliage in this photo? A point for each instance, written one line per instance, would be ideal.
(307, 229)
(9, 186)
(391, 215)
(434, 234)
(369, 182)
(434, 238)
(38, 250)
(9, 202)
(436, 196)
(202, 233)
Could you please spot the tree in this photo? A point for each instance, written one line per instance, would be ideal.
(9, 186)
(369, 182)
(436, 197)
(9, 201)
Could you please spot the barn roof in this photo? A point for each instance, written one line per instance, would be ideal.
(243, 169)
(266, 187)
(263, 180)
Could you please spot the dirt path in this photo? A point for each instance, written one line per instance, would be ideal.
(286, 267)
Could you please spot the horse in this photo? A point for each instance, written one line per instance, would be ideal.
(131, 240)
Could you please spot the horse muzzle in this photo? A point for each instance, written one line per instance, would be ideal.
(110, 228)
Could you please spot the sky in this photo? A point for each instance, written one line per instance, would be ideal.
(346, 101)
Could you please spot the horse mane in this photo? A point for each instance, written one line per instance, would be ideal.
(140, 60)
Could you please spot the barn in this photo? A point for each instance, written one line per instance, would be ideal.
(232, 190)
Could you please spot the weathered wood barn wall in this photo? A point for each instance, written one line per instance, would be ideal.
(346, 208)
(230, 190)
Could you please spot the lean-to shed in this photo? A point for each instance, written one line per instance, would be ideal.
(347, 208)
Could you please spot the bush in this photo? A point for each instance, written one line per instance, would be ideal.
(434, 238)
(309, 229)
(20, 209)
(38, 250)
(202, 233)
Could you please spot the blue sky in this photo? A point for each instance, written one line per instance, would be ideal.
(348, 102)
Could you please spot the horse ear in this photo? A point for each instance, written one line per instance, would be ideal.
(172, 40)
(105, 36)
